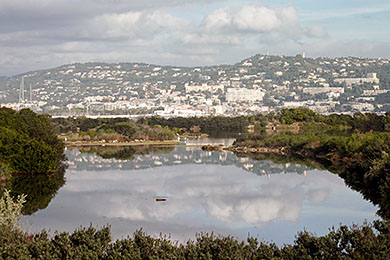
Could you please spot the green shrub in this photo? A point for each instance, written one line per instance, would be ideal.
(5, 171)
(369, 241)
(27, 142)
(10, 210)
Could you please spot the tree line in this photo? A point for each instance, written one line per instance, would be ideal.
(207, 125)
(28, 143)
(110, 129)
(362, 122)
(213, 124)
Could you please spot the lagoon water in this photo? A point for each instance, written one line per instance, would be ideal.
(204, 191)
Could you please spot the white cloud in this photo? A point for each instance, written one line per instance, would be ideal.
(252, 19)
(218, 19)
(257, 19)
(132, 26)
(343, 12)
(316, 31)
(42, 34)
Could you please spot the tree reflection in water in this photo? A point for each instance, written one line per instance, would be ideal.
(125, 153)
(40, 189)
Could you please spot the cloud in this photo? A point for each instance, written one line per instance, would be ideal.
(218, 19)
(252, 19)
(343, 12)
(342, 48)
(41, 34)
(316, 31)
(256, 19)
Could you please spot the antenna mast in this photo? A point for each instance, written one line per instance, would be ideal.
(21, 91)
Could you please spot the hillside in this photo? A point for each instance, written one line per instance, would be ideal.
(258, 84)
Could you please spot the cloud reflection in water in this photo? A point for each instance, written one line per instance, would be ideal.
(224, 199)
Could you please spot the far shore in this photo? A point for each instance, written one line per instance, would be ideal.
(97, 143)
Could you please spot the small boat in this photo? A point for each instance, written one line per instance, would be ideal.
(161, 198)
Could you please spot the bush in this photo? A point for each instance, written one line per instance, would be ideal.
(5, 171)
(356, 242)
(10, 210)
(27, 142)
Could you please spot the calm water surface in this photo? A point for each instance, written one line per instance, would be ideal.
(205, 192)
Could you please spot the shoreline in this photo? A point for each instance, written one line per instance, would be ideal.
(81, 143)
(244, 149)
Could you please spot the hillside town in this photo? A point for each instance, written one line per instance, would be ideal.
(260, 84)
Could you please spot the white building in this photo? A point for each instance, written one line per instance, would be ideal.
(363, 106)
(371, 78)
(203, 87)
(374, 92)
(294, 104)
(180, 112)
(315, 90)
(243, 94)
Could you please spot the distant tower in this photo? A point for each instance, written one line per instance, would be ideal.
(267, 53)
(31, 93)
(303, 55)
(21, 91)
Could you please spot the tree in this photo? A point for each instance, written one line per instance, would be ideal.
(27, 142)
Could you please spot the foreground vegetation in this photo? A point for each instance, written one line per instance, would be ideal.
(28, 144)
(31, 159)
(357, 242)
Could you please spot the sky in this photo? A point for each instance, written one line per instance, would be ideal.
(42, 34)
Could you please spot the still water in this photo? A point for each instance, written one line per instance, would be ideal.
(204, 192)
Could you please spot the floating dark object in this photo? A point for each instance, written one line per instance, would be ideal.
(161, 198)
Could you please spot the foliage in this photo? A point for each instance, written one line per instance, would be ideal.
(10, 210)
(27, 142)
(369, 241)
(359, 121)
(147, 127)
(293, 115)
(119, 129)
(206, 124)
(5, 171)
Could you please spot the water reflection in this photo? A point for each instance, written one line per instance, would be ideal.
(40, 189)
(141, 157)
(206, 191)
(373, 187)
(124, 152)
